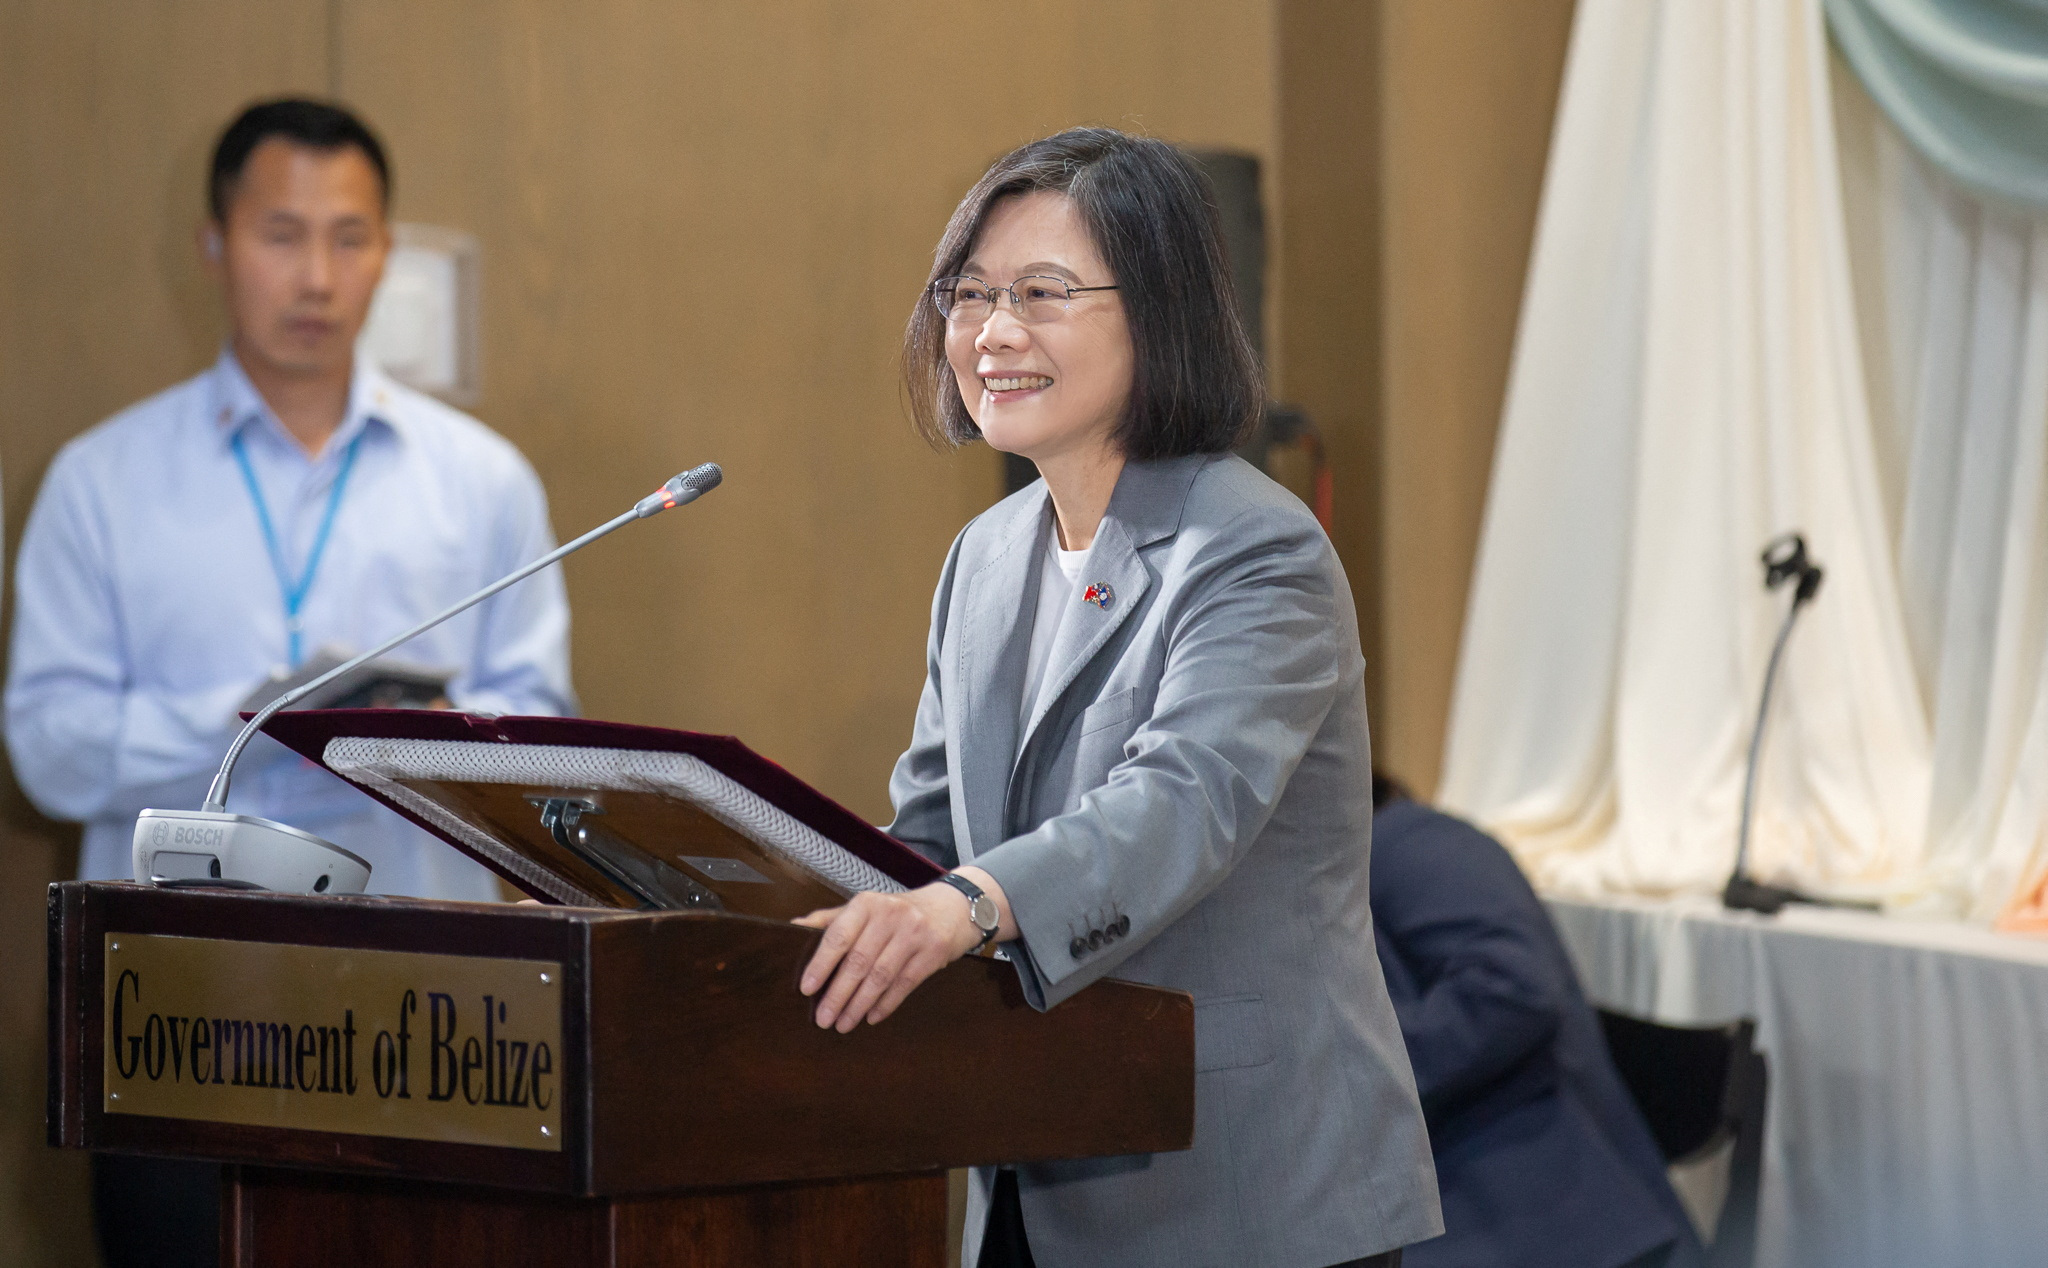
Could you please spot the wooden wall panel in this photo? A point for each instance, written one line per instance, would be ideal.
(1327, 289)
(1469, 89)
(108, 109)
(703, 226)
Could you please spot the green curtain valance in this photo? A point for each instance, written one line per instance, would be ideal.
(1966, 81)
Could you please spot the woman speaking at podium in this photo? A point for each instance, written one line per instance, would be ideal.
(1141, 746)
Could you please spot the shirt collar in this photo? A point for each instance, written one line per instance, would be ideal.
(237, 404)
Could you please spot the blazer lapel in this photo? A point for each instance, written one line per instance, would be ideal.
(1110, 590)
(1145, 508)
(993, 642)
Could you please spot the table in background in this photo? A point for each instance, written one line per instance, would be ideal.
(1908, 1115)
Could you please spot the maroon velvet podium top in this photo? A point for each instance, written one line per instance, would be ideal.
(705, 811)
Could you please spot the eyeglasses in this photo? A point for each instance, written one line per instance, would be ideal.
(969, 301)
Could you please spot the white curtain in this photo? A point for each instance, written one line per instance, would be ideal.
(1689, 380)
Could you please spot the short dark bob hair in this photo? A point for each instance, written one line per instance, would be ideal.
(318, 125)
(1195, 381)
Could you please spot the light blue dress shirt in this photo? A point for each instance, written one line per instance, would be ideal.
(147, 607)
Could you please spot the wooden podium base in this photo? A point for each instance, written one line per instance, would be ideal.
(702, 1117)
(275, 1218)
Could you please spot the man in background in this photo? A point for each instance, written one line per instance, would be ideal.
(290, 498)
(1542, 1159)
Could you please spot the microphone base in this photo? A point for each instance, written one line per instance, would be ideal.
(196, 847)
(1745, 894)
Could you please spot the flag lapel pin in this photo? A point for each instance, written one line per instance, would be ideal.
(1099, 594)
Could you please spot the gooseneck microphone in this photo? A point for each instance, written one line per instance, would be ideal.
(680, 491)
(209, 846)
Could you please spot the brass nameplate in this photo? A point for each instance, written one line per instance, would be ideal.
(455, 1048)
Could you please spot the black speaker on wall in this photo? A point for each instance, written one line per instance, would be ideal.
(1242, 217)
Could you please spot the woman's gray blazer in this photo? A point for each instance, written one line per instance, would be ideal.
(1191, 806)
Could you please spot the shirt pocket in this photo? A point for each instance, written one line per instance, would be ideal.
(1232, 1032)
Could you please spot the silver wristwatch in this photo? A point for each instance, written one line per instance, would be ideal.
(981, 909)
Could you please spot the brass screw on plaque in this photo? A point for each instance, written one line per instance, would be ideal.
(543, 979)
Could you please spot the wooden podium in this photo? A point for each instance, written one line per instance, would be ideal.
(396, 1082)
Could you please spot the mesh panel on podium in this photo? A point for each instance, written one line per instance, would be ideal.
(613, 808)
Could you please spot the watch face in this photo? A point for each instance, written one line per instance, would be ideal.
(982, 911)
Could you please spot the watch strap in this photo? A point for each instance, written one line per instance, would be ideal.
(975, 897)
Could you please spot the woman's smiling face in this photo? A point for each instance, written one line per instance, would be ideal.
(1043, 390)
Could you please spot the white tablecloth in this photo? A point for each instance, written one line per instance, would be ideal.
(1908, 1114)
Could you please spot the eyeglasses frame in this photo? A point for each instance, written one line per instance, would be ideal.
(1016, 300)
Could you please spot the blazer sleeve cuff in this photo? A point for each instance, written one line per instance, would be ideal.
(1056, 953)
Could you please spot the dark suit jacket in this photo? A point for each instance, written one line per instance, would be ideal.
(1541, 1156)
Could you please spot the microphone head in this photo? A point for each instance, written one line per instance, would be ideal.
(686, 487)
(696, 482)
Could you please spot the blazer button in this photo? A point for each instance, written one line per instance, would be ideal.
(1095, 939)
(1123, 925)
(1078, 948)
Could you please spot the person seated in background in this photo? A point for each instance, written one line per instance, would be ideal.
(1542, 1159)
(288, 498)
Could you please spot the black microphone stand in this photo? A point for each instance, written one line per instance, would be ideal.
(1784, 559)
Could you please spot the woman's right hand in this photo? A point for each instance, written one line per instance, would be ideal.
(880, 947)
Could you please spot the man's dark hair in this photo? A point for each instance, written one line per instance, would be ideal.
(317, 124)
(1195, 380)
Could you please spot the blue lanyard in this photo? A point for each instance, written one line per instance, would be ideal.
(295, 595)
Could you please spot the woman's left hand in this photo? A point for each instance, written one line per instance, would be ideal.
(880, 947)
